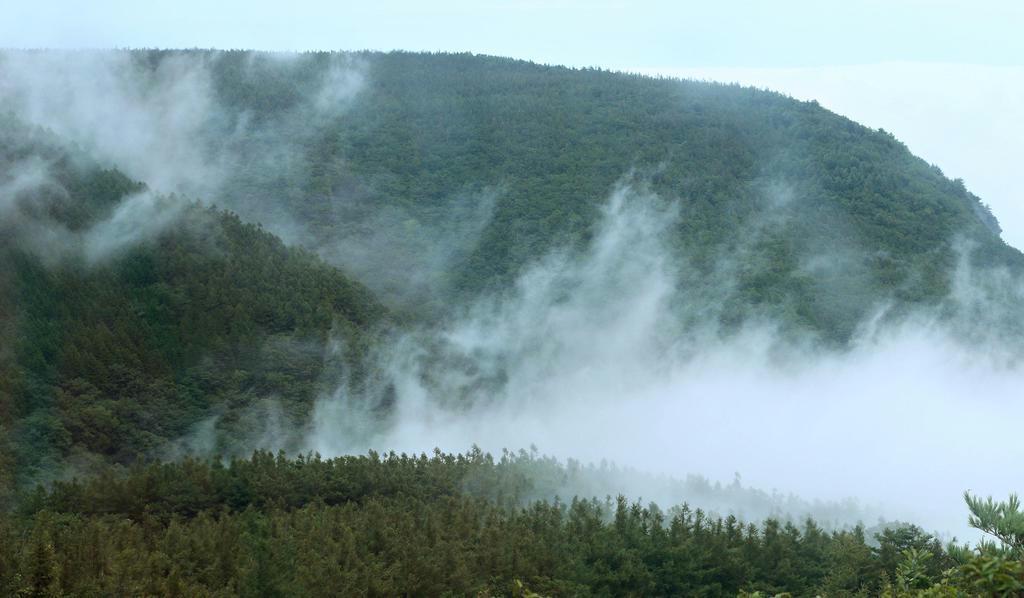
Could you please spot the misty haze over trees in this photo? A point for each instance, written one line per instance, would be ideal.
(211, 253)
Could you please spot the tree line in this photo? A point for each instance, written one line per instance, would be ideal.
(452, 524)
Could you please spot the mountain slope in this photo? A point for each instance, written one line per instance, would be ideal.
(829, 217)
(112, 356)
(434, 177)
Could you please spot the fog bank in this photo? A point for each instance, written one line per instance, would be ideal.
(586, 358)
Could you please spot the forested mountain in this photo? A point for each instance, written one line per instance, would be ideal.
(785, 185)
(198, 247)
(130, 314)
(111, 359)
(435, 176)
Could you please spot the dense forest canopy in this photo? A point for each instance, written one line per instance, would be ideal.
(113, 359)
(449, 525)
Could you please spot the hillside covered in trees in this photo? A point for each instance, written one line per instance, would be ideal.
(757, 175)
(110, 360)
(436, 176)
(201, 248)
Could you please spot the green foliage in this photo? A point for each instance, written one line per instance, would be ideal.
(981, 575)
(988, 575)
(988, 570)
(1002, 520)
(397, 524)
(912, 571)
(441, 525)
(913, 549)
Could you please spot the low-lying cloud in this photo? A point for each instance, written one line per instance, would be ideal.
(146, 121)
(586, 359)
(159, 118)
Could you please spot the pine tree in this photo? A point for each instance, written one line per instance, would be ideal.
(1002, 520)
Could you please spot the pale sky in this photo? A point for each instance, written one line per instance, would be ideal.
(944, 76)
